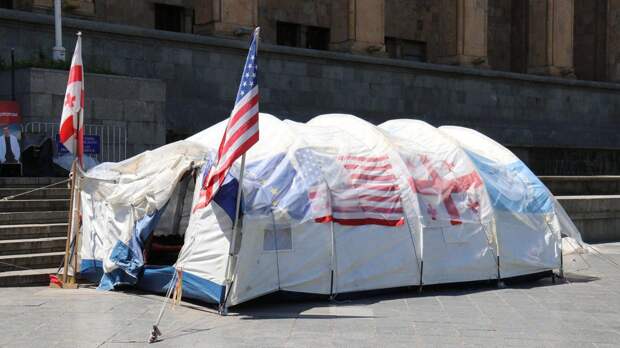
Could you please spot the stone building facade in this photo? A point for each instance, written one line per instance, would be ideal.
(427, 63)
(566, 38)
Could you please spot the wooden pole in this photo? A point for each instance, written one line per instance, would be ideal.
(76, 224)
(69, 223)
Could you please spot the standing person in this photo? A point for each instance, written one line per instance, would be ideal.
(9, 147)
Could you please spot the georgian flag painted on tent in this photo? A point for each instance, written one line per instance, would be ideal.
(72, 121)
(242, 129)
(448, 189)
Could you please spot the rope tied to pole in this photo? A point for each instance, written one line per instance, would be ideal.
(34, 190)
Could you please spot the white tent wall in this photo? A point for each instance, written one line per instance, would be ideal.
(295, 233)
(527, 228)
(116, 196)
(458, 240)
(207, 241)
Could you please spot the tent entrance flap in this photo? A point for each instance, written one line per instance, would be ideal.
(163, 245)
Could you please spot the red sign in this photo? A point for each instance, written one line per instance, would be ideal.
(9, 113)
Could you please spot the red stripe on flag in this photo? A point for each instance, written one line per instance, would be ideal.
(241, 131)
(366, 209)
(368, 168)
(75, 74)
(242, 110)
(373, 177)
(363, 158)
(369, 221)
(67, 130)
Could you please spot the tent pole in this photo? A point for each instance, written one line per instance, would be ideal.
(233, 244)
(412, 240)
(421, 260)
(561, 257)
(332, 281)
(500, 283)
(332, 294)
(275, 244)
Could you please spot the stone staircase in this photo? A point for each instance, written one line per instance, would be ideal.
(33, 230)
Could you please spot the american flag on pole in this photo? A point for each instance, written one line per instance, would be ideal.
(363, 190)
(72, 120)
(242, 129)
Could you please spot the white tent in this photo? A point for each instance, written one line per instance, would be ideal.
(330, 206)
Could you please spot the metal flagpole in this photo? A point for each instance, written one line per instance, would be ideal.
(233, 243)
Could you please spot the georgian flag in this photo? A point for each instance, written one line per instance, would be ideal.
(72, 120)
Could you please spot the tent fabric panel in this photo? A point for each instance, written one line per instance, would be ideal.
(256, 269)
(306, 266)
(374, 257)
(91, 270)
(157, 279)
(526, 245)
(458, 254)
(206, 242)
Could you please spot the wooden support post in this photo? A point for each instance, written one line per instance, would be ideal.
(69, 282)
(69, 225)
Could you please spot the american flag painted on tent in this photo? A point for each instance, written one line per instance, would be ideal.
(365, 190)
(242, 129)
(71, 131)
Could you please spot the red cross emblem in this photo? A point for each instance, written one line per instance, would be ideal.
(69, 100)
(432, 212)
(445, 187)
(473, 205)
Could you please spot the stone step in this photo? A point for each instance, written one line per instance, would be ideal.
(597, 217)
(36, 217)
(29, 277)
(32, 245)
(30, 182)
(582, 185)
(34, 205)
(8, 232)
(30, 261)
(49, 193)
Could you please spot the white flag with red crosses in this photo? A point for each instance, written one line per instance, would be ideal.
(72, 121)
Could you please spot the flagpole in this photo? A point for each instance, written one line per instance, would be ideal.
(233, 243)
(229, 273)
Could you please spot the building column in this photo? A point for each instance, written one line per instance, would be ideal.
(225, 17)
(550, 37)
(358, 26)
(463, 33)
(613, 40)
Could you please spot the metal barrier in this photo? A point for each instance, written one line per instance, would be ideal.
(113, 139)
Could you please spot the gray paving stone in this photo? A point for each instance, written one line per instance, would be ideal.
(576, 313)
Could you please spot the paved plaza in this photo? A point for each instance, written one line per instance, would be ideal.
(583, 311)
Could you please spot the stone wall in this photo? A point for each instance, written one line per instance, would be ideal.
(538, 116)
(499, 34)
(134, 104)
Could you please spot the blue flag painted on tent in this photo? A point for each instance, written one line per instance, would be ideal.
(274, 184)
(513, 187)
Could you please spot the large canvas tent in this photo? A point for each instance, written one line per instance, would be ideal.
(330, 206)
